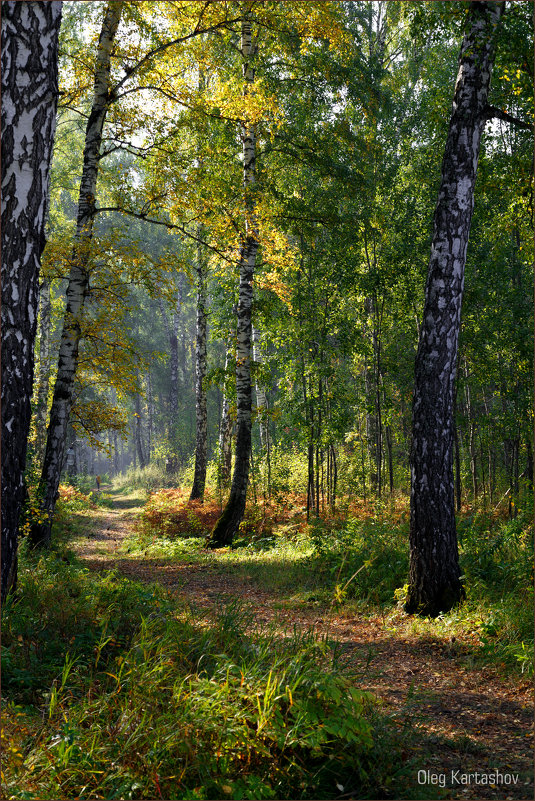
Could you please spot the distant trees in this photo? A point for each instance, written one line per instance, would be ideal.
(201, 422)
(434, 581)
(29, 99)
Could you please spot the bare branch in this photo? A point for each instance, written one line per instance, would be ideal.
(491, 112)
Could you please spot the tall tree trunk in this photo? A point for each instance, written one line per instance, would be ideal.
(225, 528)
(201, 425)
(371, 419)
(138, 431)
(72, 468)
(172, 336)
(44, 370)
(150, 415)
(262, 409)
(388, 431)
(116, 455)
(78, 285)
(226, 426)
(458, 487)
(434, 578)
(471, 434)
(261, 398)
(29, 98)
(529, 464)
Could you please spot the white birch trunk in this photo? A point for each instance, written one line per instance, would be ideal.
(172, 336)
(434, 580)
(29, 99)
(226, 426)
(201, 423)
(261, 398)
(232, 515)
(78, 285)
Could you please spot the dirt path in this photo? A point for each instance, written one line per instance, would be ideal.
(470, 720)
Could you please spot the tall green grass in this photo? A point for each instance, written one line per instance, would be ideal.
(114, 690)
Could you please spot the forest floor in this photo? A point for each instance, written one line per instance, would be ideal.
(469, 718)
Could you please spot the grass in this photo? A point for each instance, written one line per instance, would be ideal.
(117, 689)
(114, 690)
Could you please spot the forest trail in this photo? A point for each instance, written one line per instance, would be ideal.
(468, 719)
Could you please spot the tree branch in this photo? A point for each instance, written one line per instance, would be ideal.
(491, 112)
(148, 56)
(171, 226)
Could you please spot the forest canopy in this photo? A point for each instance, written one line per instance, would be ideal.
(350, 105)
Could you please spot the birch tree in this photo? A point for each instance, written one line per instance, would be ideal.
(225, 528)
(44, 367)
(226, 425)
(261, 397)
(434, 580)
(29, 99)
(78, 285)
(201, 426)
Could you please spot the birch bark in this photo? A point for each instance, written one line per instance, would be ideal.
(227, 525)
(44, 369)
(225, 431)
(78, 285)
(261, 398)
(172, 336)
(29, 54)
(201, 424)
(434, 578)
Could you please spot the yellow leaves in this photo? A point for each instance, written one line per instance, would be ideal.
(250, 107)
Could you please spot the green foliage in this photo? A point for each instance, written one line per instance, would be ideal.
(365, 559)
(497, 559)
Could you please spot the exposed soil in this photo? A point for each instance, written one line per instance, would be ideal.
(470, 720)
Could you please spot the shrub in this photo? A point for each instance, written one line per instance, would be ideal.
(364, 559)
(169, 513)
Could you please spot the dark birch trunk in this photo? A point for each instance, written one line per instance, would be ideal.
(471, 436)
(434, 578)
(388, 431)
(138, 431)
(225, 431)
(41, 404)
(529, 464)
(78, 286)
(201, 423)
(232, 515)
(458, 487)
(29, 99)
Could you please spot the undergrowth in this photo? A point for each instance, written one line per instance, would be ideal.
(364, 561)
(113, 690)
